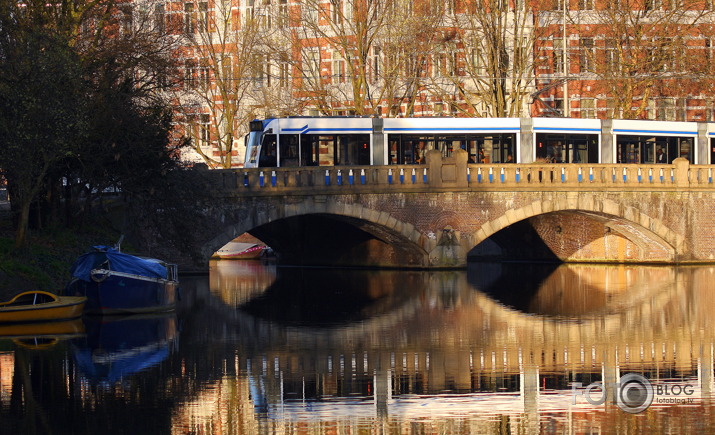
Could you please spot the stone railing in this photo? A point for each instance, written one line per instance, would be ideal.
(454, 173)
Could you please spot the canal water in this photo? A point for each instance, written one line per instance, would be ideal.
(498, 348)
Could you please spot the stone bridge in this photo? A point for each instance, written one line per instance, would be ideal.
(441, 213)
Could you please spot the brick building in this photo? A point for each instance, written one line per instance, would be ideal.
(242, 59)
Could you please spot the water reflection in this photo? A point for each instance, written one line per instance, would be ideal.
(116, 347)
(493, 350)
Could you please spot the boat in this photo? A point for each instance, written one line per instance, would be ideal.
(118, 283)
(241, 251)
(41, 306)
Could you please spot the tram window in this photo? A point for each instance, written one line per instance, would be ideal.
(353, 150)
(268, 152)
(326, 150)
(394, 147)
(472, 149)
(288, 150)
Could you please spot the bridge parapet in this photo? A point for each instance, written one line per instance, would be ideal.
(454, 173)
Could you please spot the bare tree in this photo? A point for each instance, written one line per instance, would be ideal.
(486, 61)
(220, 61)
(636, 51)
(356, 56)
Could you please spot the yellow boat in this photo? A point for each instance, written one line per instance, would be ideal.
(41, 306)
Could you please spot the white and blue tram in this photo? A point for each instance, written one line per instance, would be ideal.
(338, 141)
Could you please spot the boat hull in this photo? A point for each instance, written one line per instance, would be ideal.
(240, 251)
(64, 308)
(117, 294)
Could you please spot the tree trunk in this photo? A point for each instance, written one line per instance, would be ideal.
(22, 223)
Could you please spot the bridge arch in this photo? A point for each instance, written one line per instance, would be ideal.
(405, 245)
(637, 227)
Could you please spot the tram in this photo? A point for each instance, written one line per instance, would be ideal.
(361, 141)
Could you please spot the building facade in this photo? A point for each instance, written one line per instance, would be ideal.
(244, 59)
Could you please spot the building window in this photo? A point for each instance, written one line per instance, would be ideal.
(269, 72)
(336, 8)
(667, 110)
(587, 58)
(190, 18)
(586, 5)
(376, 64)
(558, 55)
(203, 73)
(310, 13)
(189, 74)
(127, 19)
(284, 74)
(204, 130)
(612, 58)
(339, 75)
(311, 64)
(283, 13)
(159, 17)
(588, 108)
(203, 16)
(258, 70)
(227, 69)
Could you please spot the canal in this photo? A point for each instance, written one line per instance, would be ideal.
(498, 348)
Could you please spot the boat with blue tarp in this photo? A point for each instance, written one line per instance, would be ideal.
(115, 282)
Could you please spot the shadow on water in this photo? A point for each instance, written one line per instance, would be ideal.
(325, 297)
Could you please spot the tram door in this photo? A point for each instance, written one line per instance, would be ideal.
(577, 151)
(288, 150)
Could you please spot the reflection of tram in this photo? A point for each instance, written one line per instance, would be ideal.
(328, 141)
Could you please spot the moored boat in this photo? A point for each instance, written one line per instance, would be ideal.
(116, 283)
(41, 306)
(241, 251)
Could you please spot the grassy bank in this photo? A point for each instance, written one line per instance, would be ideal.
(45, 261)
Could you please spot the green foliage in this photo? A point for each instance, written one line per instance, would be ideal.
(74, 119)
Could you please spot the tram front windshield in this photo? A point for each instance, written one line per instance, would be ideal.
(253, 148)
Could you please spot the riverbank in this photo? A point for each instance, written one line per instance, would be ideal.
(45, 261)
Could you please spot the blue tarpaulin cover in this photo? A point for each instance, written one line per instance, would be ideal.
(116, 261)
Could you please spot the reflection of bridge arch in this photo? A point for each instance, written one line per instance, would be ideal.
(632, 224)
(656, 291)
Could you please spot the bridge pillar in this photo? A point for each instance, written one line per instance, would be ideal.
(449, 252)
(447, 171)
(682, 166)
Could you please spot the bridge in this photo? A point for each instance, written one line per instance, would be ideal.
(440, 214)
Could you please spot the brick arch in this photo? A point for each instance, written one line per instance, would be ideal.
(382, 225)
(651, 230)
